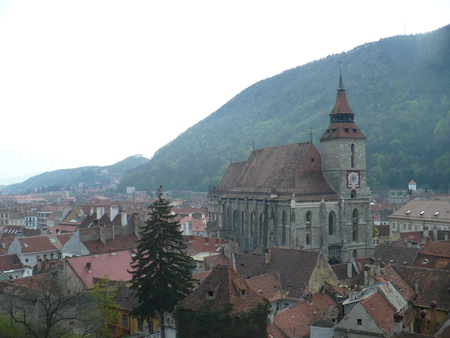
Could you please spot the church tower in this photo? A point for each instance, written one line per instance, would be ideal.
(344, 165)
(344, 150)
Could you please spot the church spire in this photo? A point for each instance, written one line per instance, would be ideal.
(341, 111)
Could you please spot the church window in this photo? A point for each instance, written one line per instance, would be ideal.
(235, 219)
(293, 217)
(308, 239)
(355, 225)
(353, 155)
(353, 194)
(283, 228)
(331, 223)
(308, 218)
(355, 254)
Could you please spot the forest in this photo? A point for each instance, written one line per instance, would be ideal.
(398, 87)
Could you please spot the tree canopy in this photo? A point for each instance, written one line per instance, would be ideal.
(161, 269)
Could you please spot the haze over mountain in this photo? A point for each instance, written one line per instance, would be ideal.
(398, 88)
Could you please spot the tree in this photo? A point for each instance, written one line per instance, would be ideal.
(161, 269)
(42, 306)
(104, 294)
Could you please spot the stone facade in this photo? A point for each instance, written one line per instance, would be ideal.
(292, 196)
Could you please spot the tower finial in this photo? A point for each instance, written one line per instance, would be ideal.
(341, 83)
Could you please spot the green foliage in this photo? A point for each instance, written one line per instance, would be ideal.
(161, 269)
(10, 329)
(397, 87)
(207, 322)
(104, 294)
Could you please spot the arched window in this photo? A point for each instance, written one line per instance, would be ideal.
(283, 228)
(353, 155)
(235, 219)
(308, 239)
(308, 218)
(331, 223)
(355, 225)
(353, 194)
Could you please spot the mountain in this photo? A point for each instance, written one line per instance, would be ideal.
(398, 88)
(90, 176)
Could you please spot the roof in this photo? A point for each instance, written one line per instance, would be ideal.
(396, 280)
(115, 264)
(280, 172)
(197, 244)
(395, 255)
(432, 284)
(295, 267)
(223, 286)
(434, 255)
(119, 243)
(381, 312)
(10, 262)
(269, 286)
(433, 210)
(43, 243)
(294, 321)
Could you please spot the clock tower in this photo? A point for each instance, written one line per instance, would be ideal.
(344, 150)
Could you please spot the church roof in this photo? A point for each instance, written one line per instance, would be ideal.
(279, 172)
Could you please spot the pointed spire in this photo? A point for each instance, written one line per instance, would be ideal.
(341, 83)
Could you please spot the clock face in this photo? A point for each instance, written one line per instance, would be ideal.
(353, 179)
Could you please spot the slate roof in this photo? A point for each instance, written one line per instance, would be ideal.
(294, 321)
(115, 264)
(223, 286)
(280, 171)
(395, 255)
(295, 268)
(432, 285)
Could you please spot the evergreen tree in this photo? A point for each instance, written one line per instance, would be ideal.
(161, 269)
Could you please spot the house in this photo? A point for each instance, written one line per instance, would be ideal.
(302, 272)
(292, 196)
(85, 268)
(417, 215)
(11, 266)
(434, 255)
(32, 249)
(243, 310)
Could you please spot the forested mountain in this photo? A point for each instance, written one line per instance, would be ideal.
(398, 87)
(68, 178)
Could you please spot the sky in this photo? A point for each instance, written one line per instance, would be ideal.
(91, 82)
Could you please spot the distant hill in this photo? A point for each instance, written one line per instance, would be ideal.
(398, 87)
(68, 178)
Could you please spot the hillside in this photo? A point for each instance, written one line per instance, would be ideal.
(398, 87)
(69, 178)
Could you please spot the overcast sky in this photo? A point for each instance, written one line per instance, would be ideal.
(93, 82)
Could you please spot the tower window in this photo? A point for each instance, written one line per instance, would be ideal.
(334, 130)
(354, 130)
(352, 157)
(346, 130)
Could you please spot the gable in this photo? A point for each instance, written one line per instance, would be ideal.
(357, 319)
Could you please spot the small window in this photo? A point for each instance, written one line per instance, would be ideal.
(312, 159)
(125, 320)
(346, 130)
(354, 130)
(140, 325)
(334, 130)
(286, 305)
(359, 321)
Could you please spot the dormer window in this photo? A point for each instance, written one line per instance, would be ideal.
(346, 130)
(210, 294)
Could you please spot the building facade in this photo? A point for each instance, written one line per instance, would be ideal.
(292, 196)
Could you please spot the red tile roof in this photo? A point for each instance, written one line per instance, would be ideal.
(296, 319)
(10, 262)
(380, 311)
(116, 265)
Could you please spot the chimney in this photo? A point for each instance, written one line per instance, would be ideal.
(382, 268)
(433, 315)
(349, 269)
(366, 275)
(423, 321)
(425, 231)
(102, 236)
(123, 219)
(398, 322)
(416, 286)
(267, 256)
(114, 211)
(100, 212)
(89, 267)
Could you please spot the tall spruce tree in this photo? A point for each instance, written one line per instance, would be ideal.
(161, 269)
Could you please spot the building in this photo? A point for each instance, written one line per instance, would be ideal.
(420, 215)
(292, 196)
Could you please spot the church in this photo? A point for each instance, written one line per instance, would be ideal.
(292, 196)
